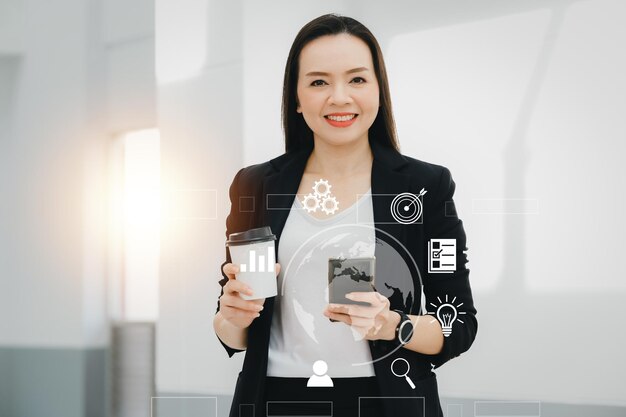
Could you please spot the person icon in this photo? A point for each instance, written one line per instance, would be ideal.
(320, 379)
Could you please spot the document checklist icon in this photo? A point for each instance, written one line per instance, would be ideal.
(441, 256)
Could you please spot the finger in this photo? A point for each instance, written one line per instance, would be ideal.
(277, 268)
(366, 297)
(355, 310)
(235, 313)
(338, 308)
(259, 301)
(234, 286)
(344, 318)
(239, 303)
(365, 323)
(230, 270)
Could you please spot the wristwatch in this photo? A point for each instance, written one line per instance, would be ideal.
(404, 331)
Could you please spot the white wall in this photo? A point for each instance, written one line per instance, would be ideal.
(62, 86)
(199, 73)
(128, 37)
(11, 26)
(9, 69)
(44, 239)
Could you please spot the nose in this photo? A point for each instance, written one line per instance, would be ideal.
(339, 95)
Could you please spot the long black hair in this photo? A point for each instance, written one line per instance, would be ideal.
(298, 135)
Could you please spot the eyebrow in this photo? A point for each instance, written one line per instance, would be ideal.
(320, 73)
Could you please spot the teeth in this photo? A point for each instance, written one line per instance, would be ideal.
(341, 118)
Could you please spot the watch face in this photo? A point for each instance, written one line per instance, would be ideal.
(405, 332)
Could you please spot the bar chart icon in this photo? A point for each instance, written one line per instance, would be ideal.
(260, 263)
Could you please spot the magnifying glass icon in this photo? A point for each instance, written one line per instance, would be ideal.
(395, 367)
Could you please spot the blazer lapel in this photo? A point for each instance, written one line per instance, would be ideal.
(280, 188)
(386, 184)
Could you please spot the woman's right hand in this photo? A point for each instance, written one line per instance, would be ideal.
(239, 312)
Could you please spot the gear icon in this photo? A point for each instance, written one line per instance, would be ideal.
(311, 203)
(330, 205)
(325, 187)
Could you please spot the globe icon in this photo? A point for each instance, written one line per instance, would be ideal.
(394, 277)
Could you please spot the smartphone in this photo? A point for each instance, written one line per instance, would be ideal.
(346, 275)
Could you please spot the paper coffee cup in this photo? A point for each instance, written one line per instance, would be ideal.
(254, 252)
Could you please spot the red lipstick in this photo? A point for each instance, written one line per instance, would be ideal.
(341, 123)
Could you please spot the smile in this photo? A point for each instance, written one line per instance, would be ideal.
(341, 120)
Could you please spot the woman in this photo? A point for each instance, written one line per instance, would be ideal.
(340, 140)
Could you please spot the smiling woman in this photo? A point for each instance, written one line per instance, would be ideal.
(340, 141)
(335, 96)
(348, 63)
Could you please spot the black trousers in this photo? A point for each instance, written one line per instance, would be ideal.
(291, 397)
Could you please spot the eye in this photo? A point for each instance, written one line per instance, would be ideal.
(317, 83)
(362, 80)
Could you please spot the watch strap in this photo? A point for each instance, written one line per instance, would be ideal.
(405, 320)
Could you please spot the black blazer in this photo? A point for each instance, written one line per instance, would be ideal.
(260, 186)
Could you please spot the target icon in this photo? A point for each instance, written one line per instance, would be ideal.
(407, 208)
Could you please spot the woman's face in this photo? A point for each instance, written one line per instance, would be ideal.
(337, 89)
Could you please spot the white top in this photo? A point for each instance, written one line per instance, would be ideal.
(300, 333)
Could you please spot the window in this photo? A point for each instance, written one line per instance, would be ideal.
(135, 226)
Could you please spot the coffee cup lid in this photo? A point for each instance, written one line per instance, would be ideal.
(260, 234)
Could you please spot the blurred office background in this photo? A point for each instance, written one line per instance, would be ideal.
(122, 123)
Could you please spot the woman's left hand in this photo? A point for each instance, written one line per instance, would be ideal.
(373, 322)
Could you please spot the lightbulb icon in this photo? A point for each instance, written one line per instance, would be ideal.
(447, 314)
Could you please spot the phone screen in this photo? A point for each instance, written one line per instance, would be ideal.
(346, 275)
